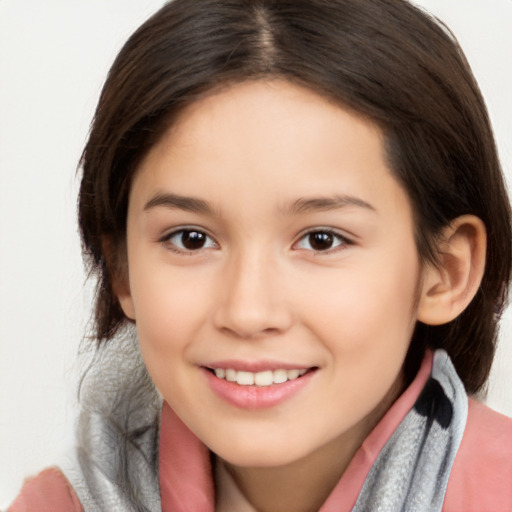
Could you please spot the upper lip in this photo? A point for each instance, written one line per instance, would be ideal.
(255, 366)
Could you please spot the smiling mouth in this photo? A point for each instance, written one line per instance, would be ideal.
(261, 379)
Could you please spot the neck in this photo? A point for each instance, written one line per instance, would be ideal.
(301, 486)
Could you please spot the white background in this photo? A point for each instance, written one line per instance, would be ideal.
(54, 55)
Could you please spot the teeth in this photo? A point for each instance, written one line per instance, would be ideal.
(265, 378)
(245, 378)
(231, 375)
(292, 374)
(280, 376)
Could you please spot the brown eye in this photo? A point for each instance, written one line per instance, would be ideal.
(187, 240)
(321, 241)
(193, 240)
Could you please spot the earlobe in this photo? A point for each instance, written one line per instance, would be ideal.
(126, 303)
(117, 265)
(449, 287)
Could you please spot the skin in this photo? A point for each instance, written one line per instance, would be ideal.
(255, 155)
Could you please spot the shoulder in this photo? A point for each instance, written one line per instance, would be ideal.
(481, 477)
(47, 492)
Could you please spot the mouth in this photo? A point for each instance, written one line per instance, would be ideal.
(257, 384)
(263, 378)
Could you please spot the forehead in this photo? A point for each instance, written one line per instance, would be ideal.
(256, 107)
(269, 140)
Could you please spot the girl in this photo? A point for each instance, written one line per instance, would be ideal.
(302, 240)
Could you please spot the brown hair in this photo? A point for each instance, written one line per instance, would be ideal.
(386, 59)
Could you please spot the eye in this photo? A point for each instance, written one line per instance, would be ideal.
(189, 240)
(321, 240)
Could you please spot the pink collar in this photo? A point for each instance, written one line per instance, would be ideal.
(185, 471)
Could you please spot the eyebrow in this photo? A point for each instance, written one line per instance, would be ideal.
(301, 205)
(168, 200)
(305, 205)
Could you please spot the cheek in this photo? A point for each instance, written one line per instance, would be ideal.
(366, 328)
(368, 317)
(170, 307)
(166, 322)
(364, 306)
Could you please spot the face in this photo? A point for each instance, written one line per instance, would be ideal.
(273, 273)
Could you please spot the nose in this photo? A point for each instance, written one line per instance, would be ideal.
(252, 301)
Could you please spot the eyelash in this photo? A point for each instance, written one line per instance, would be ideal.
(167, 240)
(332, 235)
(328, 234)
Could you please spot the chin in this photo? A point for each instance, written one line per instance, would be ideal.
(260, 454)
(257, 460)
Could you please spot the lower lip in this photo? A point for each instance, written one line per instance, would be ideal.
(256, 397)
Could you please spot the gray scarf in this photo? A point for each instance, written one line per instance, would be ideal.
(116, 466)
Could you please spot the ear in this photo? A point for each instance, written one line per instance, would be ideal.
(116, 258)
(449, 287)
